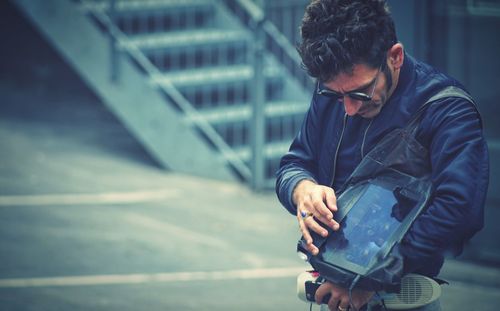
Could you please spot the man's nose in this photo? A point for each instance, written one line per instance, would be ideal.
(351, 106)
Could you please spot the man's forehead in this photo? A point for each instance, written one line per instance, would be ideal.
(360, 76)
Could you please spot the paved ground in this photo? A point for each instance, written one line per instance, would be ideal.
(79, 211)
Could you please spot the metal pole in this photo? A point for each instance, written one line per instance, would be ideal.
(258, 121)
(260, 3)
(114, 51)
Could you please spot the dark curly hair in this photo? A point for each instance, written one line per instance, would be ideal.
(338, 34)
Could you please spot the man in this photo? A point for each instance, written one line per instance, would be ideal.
(368, 86)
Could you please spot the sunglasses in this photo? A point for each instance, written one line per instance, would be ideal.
(354, 94)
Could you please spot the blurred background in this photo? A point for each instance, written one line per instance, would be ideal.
(139, 141)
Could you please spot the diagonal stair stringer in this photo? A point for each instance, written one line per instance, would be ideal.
(143, 110)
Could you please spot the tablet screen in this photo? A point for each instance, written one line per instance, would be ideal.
(364, 231)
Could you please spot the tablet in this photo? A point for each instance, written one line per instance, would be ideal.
(374, 221)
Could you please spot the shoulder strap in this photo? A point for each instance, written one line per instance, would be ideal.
(450, 91)
(447, 92)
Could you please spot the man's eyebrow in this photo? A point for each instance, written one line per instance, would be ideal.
(365, 86)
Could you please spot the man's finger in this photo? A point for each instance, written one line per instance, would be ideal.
(333, 303)
(343, 305)
(309, 241)
(331, 203)
(331, 200)
(304, 230)
(325, 215)
(311, 223)
(320, 294)
(321, 208)
(329, 222)
(306, 235)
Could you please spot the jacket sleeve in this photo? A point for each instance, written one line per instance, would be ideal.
(460, 173)
(300, 162)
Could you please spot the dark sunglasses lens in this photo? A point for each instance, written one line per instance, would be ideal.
(355, 95)
(329, 93)
(360, 96)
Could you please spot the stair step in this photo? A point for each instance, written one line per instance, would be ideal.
(211, 76)
(239, 113)
(274, 150)
(194, 49)
(154, 16)
(145, 5)
(233, 94)
(186, 38)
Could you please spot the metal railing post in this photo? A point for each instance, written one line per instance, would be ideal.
(258, 120)
(260, 3)
(114, 49)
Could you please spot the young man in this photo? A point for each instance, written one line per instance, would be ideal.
(366, 87)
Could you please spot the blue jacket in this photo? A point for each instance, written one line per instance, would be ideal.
(330, 145)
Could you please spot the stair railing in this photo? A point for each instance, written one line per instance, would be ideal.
(275, 42)
(114, 49)
(168, 88)
(266, 37)
(258, 85)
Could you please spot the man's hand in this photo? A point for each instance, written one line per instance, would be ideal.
(318, 201)
(339, 299)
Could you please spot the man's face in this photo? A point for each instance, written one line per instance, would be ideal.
(364, 79)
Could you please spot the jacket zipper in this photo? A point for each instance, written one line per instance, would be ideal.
(364, 138)
(337, 150)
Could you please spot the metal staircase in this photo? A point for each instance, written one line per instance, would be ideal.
(201, 59)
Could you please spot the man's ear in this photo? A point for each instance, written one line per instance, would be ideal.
(396, 55)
